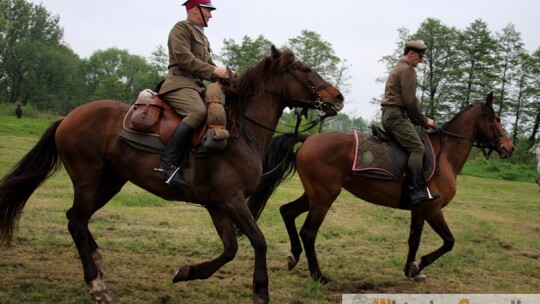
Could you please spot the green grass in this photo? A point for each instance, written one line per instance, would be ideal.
(361, 247)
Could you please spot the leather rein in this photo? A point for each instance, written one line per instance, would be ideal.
(484, 145)
(317, 104)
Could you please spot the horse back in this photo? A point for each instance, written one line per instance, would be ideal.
(332, 153)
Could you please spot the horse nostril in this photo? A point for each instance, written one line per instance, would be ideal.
(340, 97)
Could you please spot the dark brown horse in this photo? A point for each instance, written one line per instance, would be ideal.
(324, 163)
(99, 163)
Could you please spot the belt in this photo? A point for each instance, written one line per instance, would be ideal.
(175, 70)
(393, 107)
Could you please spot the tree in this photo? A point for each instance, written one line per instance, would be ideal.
(158, 63)
(507, 58)
(342, 122)
(532, 104)
(474, 76)
(244, 55)
(123, 75)
(438, 62)
(320, 56)
(31, 37)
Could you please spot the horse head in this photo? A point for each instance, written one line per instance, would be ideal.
(491, 135)
(304, 87)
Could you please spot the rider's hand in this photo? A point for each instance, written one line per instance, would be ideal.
(221, 72)
(430, 123)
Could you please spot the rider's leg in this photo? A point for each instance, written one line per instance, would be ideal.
(188, 103)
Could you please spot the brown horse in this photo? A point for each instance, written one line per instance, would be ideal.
(324, 163)
(99, 163)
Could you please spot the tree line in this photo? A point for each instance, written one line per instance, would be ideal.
(461, 66)
(37, 69)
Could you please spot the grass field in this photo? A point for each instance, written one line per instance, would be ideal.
(361, 247)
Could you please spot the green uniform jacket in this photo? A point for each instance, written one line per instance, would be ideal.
(400, 91)
(190, 51)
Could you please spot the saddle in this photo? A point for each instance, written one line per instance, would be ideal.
(380, 156)
(150, 123)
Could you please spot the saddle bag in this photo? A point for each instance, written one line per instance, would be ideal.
(146, 112)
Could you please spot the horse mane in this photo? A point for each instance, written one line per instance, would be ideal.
(251, 82)
(449, 124)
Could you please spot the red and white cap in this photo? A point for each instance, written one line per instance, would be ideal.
(203, 3)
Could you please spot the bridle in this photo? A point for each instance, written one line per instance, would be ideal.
(314, 103)
(484, 144)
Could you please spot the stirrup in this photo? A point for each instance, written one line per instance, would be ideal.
(168, 181)
(432, 197)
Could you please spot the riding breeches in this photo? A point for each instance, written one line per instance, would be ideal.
(395, 121)
(188, 103)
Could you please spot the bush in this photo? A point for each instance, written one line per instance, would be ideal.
(499, 169)
(8, 109)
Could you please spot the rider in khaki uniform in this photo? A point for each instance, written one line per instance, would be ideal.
(401, 111)
(190, 63)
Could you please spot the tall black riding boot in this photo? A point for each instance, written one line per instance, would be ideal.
(415, 181)
(175, 150)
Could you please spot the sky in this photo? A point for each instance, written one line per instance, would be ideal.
(361, 32)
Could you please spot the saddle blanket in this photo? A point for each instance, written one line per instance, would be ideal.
(387, 159)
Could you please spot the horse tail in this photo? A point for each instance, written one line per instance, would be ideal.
(279, 164)
(17, 185)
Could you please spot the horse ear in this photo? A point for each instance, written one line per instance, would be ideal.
(275, 52)
(489, 99)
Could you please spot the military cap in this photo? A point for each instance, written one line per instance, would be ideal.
(193, 3)
(416, 45)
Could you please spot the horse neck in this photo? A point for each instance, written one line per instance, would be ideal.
(457, 143)
(265, 110)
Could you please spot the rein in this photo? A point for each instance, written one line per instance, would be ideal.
(475, 143)
(317, 103)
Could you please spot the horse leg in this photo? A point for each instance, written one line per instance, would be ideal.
(225, 229)
(97, 255)
(289, 213)
(90, 197)
(438, 223)
(415, 234)
(243, 219)
(309, 231)
(224, 220)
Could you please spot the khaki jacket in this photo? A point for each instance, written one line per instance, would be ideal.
(190, 57)
(400, 91)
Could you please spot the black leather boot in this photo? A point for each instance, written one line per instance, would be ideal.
(175, 150)
(416, 193)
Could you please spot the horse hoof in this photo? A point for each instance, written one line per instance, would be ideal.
(420, 278)
(259, 300)
(182, 274)
(321, 279)
(102, 296)
(98, 291)
(414, 270)
(291, 261)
